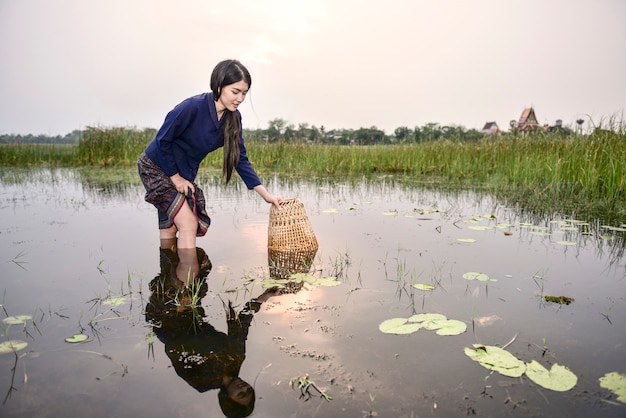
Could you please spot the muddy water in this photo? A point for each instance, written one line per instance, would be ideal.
(78, 255)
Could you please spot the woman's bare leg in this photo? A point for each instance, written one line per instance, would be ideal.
(186, 223)
(188, 267)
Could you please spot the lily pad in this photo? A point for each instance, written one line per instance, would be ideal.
(331, 210)
(12, 346)
(114, 302)
(616, 383)
(398, 326)
(430, 321)
(314, 280)
(16, 320)
(474, 275)
(558, 378)
(479, 227)
(269, 283)
(468, 240)
(452, 327)
(496, 359)
(566, 242)
(424, 286)
(77, 338)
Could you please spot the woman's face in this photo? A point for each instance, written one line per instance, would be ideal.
(231, 96)
(240, 391)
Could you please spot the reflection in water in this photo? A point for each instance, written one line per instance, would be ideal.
(204, 357)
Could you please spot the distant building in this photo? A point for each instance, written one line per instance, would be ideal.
(528, 120)
(491, 128)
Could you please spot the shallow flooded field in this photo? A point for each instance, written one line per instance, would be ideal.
(78, 257)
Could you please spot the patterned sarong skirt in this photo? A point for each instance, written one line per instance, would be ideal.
(160, 192)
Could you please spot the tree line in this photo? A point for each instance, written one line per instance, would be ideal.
(71, 138)
(280, 130)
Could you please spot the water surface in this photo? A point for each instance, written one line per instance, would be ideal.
(69, 242)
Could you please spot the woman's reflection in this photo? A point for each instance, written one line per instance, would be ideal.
(204, 357)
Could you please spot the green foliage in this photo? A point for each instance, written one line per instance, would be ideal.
(112, 146)
(429, 321)
(12, 346)
(582, 174)
(616, 383)
(558, 378)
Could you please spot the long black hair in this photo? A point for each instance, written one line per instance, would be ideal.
(225, 73)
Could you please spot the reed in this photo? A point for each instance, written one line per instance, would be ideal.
(577, 172)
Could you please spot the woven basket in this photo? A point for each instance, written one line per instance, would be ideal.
(291, 242)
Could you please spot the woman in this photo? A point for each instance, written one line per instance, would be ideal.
(197, 126)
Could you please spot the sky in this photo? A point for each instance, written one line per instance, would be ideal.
(340, 64)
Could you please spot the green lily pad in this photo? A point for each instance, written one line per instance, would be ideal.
(77, 338)
(616, 383)
(452, 327)
(398, 326)
(474, 275)
(479, 227)
(424, 286)
(12, 346)
(430, 321)
(558, 378)
(468, 240)
(566, 242)
(496, 359)
(16, 320)
(314, 280)
(114, 302)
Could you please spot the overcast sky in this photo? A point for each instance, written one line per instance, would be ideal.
(69, 64)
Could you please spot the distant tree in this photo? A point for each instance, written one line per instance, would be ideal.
(402, 133)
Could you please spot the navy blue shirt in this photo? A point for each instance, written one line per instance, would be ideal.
(189, 133)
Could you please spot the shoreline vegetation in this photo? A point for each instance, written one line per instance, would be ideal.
(573, 174)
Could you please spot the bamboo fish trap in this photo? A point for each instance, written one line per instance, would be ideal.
(291, 242)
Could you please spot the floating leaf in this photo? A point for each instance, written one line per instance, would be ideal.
(470, 240)
(497, 359)
(331, 210)
(114, 302)
(558, 378)
(423, 286)
(398, 326)
(474, 275)
(314, 280)
(16, 320)
(616, 383)
(78, 338)
(429, 320)
(452, 327)
(566, 242)
(269, 283)
(391, 213)
(12, 346)
(479, 227)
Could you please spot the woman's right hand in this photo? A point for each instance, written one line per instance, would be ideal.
(182, 185)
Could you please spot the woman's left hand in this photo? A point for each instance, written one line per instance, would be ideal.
(268, 197)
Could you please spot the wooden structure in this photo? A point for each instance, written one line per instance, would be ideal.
(491, 128)
(528, 120)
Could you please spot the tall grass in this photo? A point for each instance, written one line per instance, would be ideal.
(112, 146)
(581, 173)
